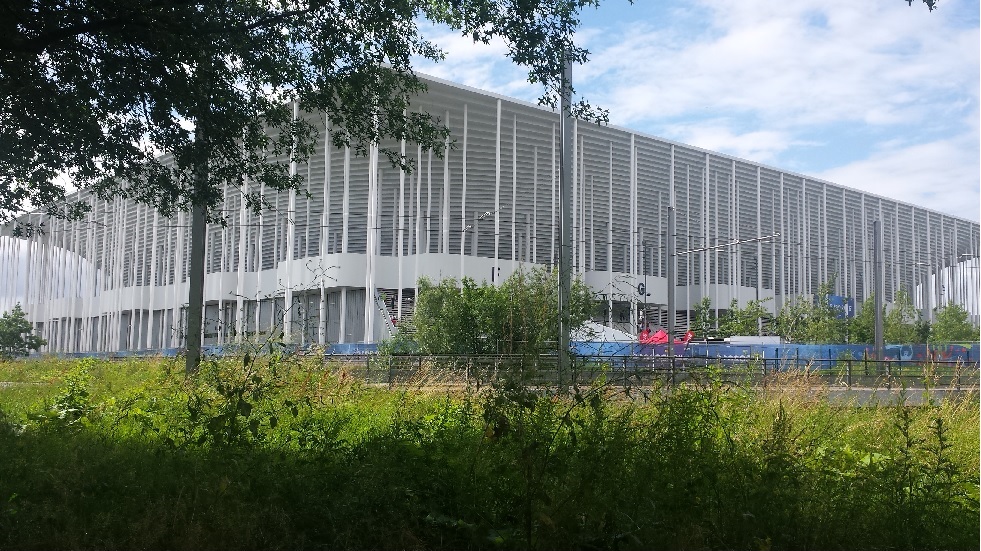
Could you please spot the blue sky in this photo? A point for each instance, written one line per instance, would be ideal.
(871, 94)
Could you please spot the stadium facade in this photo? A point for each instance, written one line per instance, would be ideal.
(340, 264)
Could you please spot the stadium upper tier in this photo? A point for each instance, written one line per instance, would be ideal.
(482, 207)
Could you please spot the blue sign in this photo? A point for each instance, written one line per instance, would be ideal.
(844, 306)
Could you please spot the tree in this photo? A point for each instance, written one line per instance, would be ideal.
(812, 320)
(16, 335)
(861, 329)
(703, 319)
(952, 324)
(742, 321)
(900, 324)
(518, 317)
(98, 90)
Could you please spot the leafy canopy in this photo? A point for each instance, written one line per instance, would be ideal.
(743, 321)
(98, 91)
(16, 335)
(952, 324)
(518, 317)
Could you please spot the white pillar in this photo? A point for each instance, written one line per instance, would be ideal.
(290, 244)
(445, 226)
(497, 193)
(371, 247)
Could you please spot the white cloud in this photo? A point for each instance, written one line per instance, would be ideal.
(876, 95)
(942, 175)
(760, 145)
(484, 66)
(870, 63)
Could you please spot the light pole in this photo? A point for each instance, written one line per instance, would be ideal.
(565, 220)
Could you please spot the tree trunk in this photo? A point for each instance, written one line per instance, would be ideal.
(195, 276)
(195, 290)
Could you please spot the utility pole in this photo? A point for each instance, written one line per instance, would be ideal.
(880, 289)
(565, 219)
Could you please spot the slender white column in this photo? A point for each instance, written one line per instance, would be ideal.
(77, 314)
(579, 181)
(497, 193)
(463, 199)
(418, 217)
(290, 244)
(139, 255)
(179, 258)
(631, 267)
(400, 238)
(8, 299)
(897, 278)
(554, 226)
(429, 203)
(705, 229)
(224, 253)
(30, 273)
(92, 310)
(372, 245)
(672, 246)
(735, 273)
(759, 231)
(325, 235)
(342, 333)
(152, 328)
(514, 192)
(346, 200)
(866, 292)
(689, 259)
(445, 226)
(243, 232)
(534, 208)
(609, 240)
(715, 252)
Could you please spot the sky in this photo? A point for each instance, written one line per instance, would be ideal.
(870, 94)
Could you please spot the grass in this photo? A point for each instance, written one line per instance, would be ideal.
(272, 453)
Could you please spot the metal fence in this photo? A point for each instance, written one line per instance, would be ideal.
(652, 371)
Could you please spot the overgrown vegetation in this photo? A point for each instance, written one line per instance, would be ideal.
(814, 319)
(274, 453)
(516, 317)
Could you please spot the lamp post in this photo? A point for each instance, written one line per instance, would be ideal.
(565, 220)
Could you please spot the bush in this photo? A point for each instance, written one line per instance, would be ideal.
(319, 460)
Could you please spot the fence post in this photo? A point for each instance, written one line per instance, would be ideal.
(389, 372)
(673, 379)
(849, 372)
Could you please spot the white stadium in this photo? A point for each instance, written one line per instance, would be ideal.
(345, 257)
